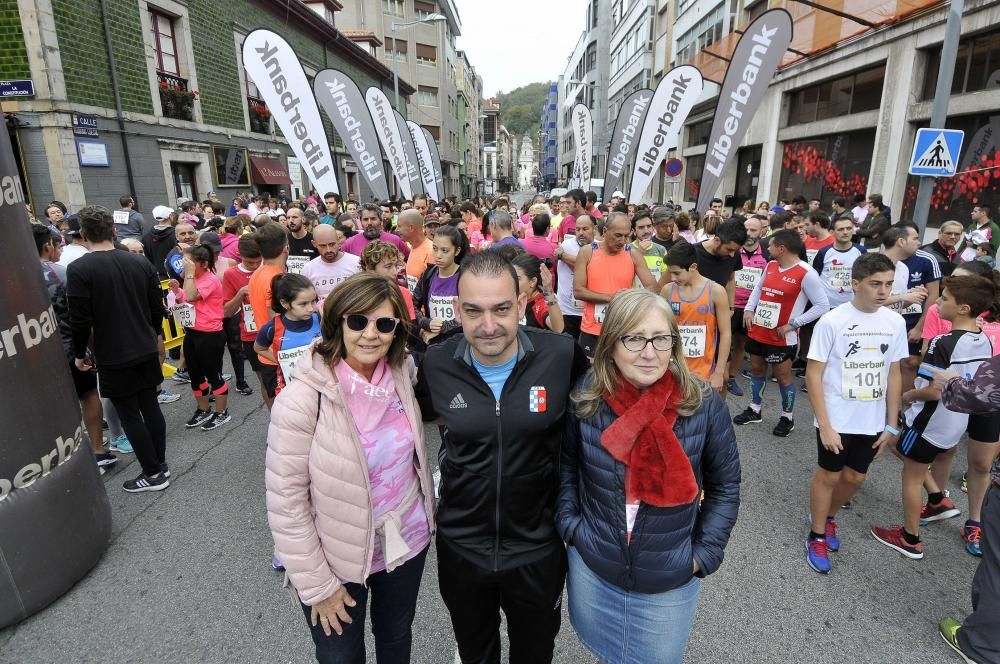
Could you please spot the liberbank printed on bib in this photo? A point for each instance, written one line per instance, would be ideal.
(863, 380)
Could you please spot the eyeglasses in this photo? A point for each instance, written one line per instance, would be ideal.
(637, 344)
(360, 322)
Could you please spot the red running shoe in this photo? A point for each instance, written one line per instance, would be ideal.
(893, 538)
(939, 511)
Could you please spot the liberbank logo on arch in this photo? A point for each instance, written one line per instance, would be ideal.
(30, 331)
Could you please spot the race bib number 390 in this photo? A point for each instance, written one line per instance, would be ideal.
(748, 277)
(766, 314)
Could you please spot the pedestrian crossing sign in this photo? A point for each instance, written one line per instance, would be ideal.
(936, 152)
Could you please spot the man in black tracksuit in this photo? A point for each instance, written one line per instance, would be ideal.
(501, 392)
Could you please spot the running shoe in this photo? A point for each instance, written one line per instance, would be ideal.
(437, 483)
(832, 541)
(244, 389)
(226, 377)
(121, 445)
(167, 397)
(784, 427)
(217, 420)
(746, 374)
(805, 388)
(894, 539)
(938, 512)
(965, 482)
(971, 535)
(146, 483)
(105, 459)
(181, 376)
(200, 417)
(275, 563)
(817, 556)
(734, 387)
(948, 629)
(748, 416)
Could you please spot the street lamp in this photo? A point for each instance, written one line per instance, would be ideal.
(430, 18)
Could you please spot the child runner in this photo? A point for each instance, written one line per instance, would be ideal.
(696, 302)
(200, 313)
(932, 431)
(436, 291)
(385, 259)
(854, 385)
(773, 314)
(535, 279)
(287, 337)
(236, 308)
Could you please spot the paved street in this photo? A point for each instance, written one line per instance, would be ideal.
(187, 577)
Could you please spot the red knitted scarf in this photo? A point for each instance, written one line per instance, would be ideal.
(658, 472)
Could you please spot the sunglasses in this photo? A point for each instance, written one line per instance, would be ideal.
(360, 322)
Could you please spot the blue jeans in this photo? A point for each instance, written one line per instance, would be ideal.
(623, 627)
(394, 603)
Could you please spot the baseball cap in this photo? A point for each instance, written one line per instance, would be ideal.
(618, 194)
(211, 239)
(162, 212)
(432, 219)
(74, 226)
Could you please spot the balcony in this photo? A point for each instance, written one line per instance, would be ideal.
(260, 116)
(176, 99)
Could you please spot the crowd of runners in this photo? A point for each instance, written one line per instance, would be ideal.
(577, 356)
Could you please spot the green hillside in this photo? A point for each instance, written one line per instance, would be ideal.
(520, 108)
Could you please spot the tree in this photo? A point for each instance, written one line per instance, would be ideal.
(521, 108)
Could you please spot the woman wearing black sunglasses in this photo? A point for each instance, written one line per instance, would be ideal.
(349, 495)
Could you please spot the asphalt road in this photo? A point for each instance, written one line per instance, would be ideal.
(187, 577)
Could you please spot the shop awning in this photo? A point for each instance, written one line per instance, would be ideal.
(819, 25)
(269, 171)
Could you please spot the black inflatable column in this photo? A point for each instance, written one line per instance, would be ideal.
(55, 519)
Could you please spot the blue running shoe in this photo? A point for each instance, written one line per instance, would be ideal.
(275, 563)
(972, 535)
(832, 541)
(121, 445)
(817, 556)
(734, 387)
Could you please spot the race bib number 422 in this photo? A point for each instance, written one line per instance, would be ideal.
(766, 314)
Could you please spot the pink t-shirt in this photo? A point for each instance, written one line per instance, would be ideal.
(540, 247)
(390, 449)
(327, 276)
(935, 325)
(208, 307)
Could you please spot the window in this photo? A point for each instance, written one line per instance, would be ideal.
(399, 49)
(591, 56)
(827, 166)
(694, 169)
(854, 93)
(426, 54)
(422, 9)
(252, 90)
(427, 96)
(978, 59)
(394, 7)
(434, 131)
(164, 43)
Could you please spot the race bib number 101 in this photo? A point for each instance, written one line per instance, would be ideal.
(863, 380)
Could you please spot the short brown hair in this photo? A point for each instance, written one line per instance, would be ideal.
(377, 251)
(360, 294)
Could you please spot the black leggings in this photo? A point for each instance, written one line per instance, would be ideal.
(235, 345)
(203, 354)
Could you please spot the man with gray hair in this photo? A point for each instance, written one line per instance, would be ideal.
(502, 229)
(944, 248)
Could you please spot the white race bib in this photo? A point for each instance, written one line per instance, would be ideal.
(411, 282)
(599, 311)
(295, 264)
(578, 303)
(968, 254)
(249, 322)
(120, 216)
(766, 314)
(906, 308)
(443, 307)
(839, 276)
(184, 314)
(748, 277)
(288, 359)
(811, 255)
(693, 340)
(863, 380)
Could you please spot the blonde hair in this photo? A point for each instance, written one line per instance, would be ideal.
(626, 311)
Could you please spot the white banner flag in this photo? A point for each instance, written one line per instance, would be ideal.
(583, 133)
(424, 160)
(389, 136)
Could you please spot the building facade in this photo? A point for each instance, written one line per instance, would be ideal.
(470, 94)
(548, 135)
(159, 106)
(527, 165)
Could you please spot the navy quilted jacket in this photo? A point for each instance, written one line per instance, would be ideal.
(591, 509)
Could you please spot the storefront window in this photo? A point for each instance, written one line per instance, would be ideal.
(693, 171)
(827, 167)
(978, 177)
(854, 93)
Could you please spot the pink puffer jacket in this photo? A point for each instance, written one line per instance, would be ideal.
(318, 497)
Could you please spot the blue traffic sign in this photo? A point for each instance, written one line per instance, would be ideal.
(936, 152)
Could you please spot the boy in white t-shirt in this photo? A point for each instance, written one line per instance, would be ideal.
(854, 384)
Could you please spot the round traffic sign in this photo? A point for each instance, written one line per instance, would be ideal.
(673, 167)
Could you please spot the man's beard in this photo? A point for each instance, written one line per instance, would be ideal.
(372, 233)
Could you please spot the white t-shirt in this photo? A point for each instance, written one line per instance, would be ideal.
(327, 276)
(569, 305)
(858, 350)
(70, 253)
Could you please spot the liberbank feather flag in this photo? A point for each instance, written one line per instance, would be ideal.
(626, 135)
(583, 134)
(412, 167)
(341, 99)
(436, 160)
(424, 160)
(389, 136)
(751, 68)
(272, 66)
(675, 95)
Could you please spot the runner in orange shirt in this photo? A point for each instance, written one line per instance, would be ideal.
(273, 242)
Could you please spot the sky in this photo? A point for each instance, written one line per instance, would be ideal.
(516, 42)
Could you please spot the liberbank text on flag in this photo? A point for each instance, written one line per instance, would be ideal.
(276, 71)
(754, 61)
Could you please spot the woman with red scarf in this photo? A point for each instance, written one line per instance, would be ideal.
(647, 439)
